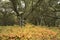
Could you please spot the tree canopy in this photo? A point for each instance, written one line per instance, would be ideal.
(37, 12)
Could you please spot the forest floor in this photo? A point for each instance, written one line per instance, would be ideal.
(29, 32)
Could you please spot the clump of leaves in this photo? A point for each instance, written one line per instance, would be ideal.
(29, 32)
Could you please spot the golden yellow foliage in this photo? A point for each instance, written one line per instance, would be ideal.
(29, 32)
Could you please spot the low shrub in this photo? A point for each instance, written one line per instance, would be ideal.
(28, 32)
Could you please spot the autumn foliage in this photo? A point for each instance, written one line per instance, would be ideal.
(29, 32)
